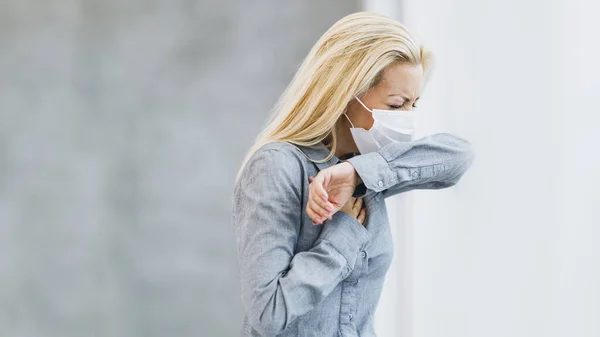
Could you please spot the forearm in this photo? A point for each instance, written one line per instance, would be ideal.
(275, 296)
(436, 161)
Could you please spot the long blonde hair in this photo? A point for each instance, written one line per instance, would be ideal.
(348, 60)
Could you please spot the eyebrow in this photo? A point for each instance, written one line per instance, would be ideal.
(404, 97)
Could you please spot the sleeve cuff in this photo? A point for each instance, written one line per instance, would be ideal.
(346, 235)
(374, 171)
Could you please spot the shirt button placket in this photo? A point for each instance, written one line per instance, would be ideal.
(349, 289)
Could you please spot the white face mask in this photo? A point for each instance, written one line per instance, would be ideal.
(390, 126)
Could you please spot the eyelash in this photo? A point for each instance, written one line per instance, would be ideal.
(399, 106)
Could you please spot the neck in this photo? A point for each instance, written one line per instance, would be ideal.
(345, 143)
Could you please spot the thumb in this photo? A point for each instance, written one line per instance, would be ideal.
(320, 182)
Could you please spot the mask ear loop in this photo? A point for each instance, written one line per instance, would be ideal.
(348, 118)
(363, 104)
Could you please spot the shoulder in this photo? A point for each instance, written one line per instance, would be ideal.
(283, 149)
(283, 156)
(278, 162)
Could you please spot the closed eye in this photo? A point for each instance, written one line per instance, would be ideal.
(395, 106)
(415, 103)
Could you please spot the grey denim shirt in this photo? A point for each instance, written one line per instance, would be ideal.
(300, 279)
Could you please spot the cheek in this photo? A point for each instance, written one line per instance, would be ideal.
(360, 118)
(365, 121)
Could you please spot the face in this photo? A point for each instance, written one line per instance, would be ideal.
(399, 89)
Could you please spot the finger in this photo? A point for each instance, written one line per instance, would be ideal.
(323, 213)
(350, 204)
(361, 216)
(319, 183)
(312, 215)
(320, 214)
(310, 179)
(357, 205)
(326, 181)
(320, 196)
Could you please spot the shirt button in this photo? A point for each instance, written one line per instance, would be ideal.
(350, 316)
(363, 254)
(414, 174)
(380, 183)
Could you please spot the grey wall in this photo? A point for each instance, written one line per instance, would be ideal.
(122, 126)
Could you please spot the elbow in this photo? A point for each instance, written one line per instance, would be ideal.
(468, 158)
(463, 165)
(465, 152)
(266, 324)
(268, 320)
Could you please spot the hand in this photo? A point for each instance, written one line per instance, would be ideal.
(330, 190)
(355, 208)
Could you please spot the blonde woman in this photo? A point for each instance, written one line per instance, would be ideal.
(312, 229)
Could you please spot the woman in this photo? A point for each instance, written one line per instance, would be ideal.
(313, 236)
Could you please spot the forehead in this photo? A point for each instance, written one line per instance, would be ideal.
(403, 78)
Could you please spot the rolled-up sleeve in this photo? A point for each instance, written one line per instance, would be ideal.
(278, 286)
(433, 162)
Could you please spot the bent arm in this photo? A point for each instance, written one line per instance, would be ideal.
(433, 162)
(278, 286)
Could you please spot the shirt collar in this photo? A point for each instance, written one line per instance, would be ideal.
(319, 152)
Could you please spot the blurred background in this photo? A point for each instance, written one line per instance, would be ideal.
(123, 124)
